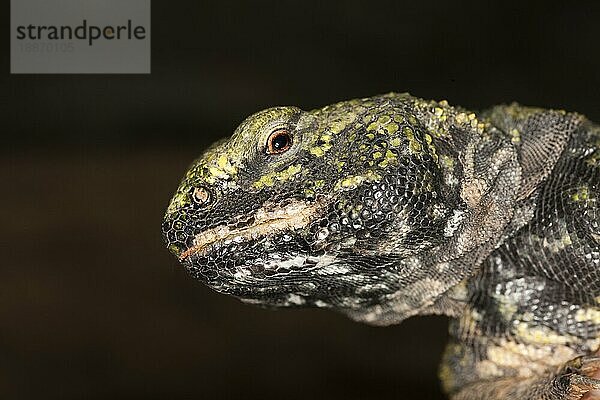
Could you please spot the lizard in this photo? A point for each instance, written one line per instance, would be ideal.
(392, 206)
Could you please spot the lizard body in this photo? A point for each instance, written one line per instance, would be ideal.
(393, 206)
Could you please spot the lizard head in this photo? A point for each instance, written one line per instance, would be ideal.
(318, 208)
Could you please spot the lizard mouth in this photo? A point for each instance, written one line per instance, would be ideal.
(267, 221)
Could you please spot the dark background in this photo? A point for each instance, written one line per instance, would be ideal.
(93, 307)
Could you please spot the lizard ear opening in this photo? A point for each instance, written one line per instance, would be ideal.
(490, 174)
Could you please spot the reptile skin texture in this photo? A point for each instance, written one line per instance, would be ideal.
(392, 206)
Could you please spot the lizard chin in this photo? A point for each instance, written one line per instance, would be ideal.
(268, 220)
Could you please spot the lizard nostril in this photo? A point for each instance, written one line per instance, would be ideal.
(201, 195)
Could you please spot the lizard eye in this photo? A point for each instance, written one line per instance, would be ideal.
(279, 141)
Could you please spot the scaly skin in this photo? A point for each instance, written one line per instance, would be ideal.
(393, 206)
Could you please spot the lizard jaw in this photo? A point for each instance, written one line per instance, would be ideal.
(268, 220)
